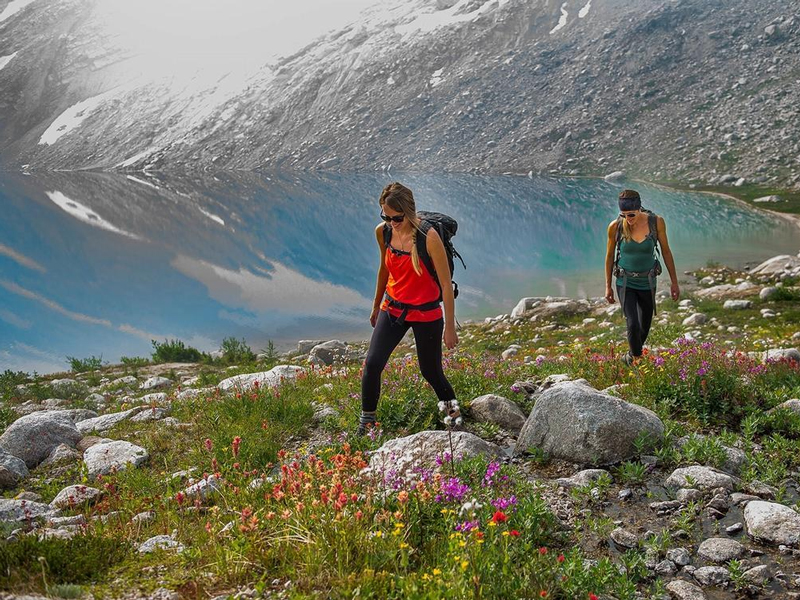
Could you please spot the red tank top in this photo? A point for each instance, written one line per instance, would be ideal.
(406, 286)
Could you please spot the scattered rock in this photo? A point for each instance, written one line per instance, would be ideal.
(426, 449)
(102, 459)
(12, 470)
(624, 538)
(758, 575)
(575, 422)
(105, 422)
(23, 510)
(33, 437)
(772, 523)
(695, 319)
(720, 550)
(161, 542)
(737, 304)
(583, 478)
(680, 556)
(62, 454)
(712, 575)
(700, 477)
(683, 590)
(491, 408)
(75, 495)
(204, 488)
(155, 383)
(330, 352)
(271, 378)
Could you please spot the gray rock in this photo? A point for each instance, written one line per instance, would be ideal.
(33, 437)
(491, 408)
(665, 567)
(161, 542)
(583, 478)
(573, 421)
(61, 454)
(102, 459)
(305, 346)
(686, 495)
(330, 352)
(777, 265)
(738, 498)
(771, 198)
(12, 470)
(735, 528)
(767, 293)
(150, 414)
(155, 383)
(143, 517)
(683, 590)
(792, 405)
(680, 556)
(720, 550)
(155, 398)
(737, 304)
(712, 575)
(75, 495)
(695, 319)
(623, 537)
(271, 378)
(204, 488)
(758, 575)
(23, 510)
(772, 522)
(423, 449)
(778, 354)
(105, 422)
(66, 521)
(702, 478)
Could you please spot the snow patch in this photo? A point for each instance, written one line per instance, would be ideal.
(562, 20)
(73, 117)
(85, 214)
(13, 8)
(212, 216)
(585, 10)
(143, 182)
(4, 60)
(390, 81)
(136, 158)
(431, 19)
(436, 78)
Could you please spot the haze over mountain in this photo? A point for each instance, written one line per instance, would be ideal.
(665, 89)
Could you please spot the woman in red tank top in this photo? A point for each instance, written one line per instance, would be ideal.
(407, 296)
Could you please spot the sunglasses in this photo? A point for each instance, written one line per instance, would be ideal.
(629, 215)
(396, 219)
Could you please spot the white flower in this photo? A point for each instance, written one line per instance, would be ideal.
(448, 421)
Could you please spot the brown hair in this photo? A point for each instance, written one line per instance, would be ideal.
(398, 197)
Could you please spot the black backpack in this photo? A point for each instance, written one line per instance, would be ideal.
(446, 226)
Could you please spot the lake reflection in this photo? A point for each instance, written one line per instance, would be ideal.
(96, 263)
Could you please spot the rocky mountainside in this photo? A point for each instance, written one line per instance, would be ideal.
(689, 90)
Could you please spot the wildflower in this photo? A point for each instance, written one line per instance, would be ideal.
(499, 517)
(208, 526)
(467, 526)
(561, 558)
(504, 503)
(359, 514)
(592, 596)
(514, 533)
(543, 594)
(180, 497)
(377, 534)
(402, 497)
(542, 550)
(515, 387)
(464, 565)
(470, 507)
(208, 444)
(237, 441)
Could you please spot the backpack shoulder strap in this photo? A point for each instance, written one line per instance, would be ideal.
(618, 240)
(387, 235)
(422, 246)
(652, 222)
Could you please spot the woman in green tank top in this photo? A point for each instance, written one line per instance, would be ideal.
(631, 258)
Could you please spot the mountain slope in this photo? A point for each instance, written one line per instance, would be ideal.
(686, 89)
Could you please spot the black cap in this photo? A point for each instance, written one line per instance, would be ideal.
(629, 200)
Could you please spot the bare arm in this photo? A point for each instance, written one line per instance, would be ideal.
(611, 247)
(439, 257)
(669, 261)
(383, 276)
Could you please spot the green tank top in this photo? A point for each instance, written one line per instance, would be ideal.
(638, 257)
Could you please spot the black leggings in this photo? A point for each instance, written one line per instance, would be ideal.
(638, 311)
(385, 337)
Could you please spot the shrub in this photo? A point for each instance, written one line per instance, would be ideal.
(236, 352)
(134, 361)
(174, 351)
(81, 365)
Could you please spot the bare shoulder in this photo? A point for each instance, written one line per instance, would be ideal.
(612, 227)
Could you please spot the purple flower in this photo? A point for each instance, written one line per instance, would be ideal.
(491, 471)
(504, 503)
(516, 388)
(467, 526)
(658, 361)
(452, 490)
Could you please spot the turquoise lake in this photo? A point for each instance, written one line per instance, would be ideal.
(98, 264)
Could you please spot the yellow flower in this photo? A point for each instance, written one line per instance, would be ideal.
(437, 571)
(378, 534)
(492, 524)
(462, 544)
(505, 534)
(464, 565)
(403, 545)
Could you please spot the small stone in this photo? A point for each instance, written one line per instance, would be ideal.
(686, 495)
(624, 538)
(680, 556)
(757, 575)
(665, 567)
(735, 528)
(683, 590)
(712, 575)
(720, 550)
(161, 542)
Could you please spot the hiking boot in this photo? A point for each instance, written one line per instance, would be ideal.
(627, 358)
